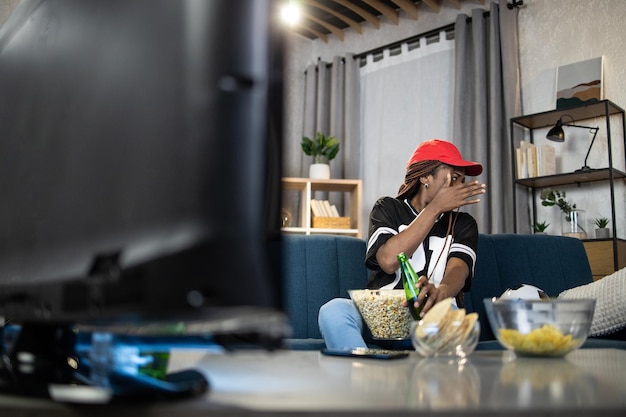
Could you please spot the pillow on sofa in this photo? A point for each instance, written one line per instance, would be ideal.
(610, 295)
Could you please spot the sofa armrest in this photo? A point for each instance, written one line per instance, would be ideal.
(317, 268)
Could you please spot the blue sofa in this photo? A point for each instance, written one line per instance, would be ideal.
(318, 268)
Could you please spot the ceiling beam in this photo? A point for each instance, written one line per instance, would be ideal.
(353, 23)
(386, 11)
(334, 29)
(373, 20)
(457, 3)
(408, 6)
(315, 33)
(433, 4)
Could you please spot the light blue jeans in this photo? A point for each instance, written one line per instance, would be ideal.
(342, 327)
(341, 324)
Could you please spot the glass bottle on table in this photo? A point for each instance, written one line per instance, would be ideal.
(409, 280)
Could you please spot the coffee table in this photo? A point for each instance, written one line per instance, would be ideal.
(587, 382)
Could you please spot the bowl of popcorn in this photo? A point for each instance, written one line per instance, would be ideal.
(540, 327)
(384, 313)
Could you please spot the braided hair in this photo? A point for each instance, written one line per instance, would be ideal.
(414, 172)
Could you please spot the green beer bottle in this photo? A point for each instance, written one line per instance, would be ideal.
(409, 279)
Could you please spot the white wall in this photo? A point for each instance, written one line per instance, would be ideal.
(559, 32)
(551, 33)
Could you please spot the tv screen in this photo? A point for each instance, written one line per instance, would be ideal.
(140, 153)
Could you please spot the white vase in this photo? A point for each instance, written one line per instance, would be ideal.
(319, 171)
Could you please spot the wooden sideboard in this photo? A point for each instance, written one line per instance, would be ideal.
(601, 256)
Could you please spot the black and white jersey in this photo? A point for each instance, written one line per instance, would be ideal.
(390, 216)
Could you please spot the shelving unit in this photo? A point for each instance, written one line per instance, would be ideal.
(605, 255)
(306, 188)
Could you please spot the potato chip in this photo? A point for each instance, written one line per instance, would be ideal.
(547, 340)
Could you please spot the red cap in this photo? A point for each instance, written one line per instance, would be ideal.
(446, 152)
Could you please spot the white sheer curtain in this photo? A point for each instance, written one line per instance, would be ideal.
(406, 98)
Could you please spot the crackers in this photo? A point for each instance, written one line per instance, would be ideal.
(435, 319)
(443, 329)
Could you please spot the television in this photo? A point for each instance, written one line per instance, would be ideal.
(140, 165)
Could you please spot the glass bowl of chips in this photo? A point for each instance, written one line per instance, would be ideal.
(446, 331)
(543, 327)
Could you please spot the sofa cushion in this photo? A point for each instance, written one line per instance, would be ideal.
(610, 313)
(316, 269)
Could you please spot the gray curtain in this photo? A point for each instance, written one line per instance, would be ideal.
(332, 106)
(487, 94)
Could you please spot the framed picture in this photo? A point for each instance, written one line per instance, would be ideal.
(579, 83)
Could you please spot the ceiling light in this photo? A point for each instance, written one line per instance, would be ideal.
(291, 13)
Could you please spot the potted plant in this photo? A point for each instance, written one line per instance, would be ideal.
(602, 232)
(573, 218)
(540, 228)
(322, 148)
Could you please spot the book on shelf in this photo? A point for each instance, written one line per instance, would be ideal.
(547, 160)
(326, 216)
(522, 155)
(522, 168)
(532, 159)
(327, 208)
(316, 209)
(323, 208)
(535, 161)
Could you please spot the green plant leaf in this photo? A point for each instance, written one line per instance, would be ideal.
(322, 146)
(307, 146)
(540, 227)
(602, 222)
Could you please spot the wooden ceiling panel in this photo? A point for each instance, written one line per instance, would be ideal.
(327, 19)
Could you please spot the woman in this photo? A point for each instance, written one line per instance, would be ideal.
(423, 221)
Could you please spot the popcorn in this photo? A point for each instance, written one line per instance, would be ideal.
(383, 312)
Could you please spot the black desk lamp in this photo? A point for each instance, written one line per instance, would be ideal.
(556, 134)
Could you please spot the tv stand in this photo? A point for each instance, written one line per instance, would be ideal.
(42, 360)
